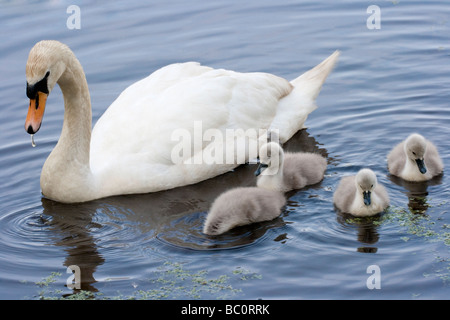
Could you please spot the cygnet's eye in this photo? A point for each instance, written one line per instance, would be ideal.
(371, 186)
(413, 153)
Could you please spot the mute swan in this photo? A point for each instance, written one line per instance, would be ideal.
(361, 195)
(130, 148)
(415, 159)
(242, 206)
(287, 171)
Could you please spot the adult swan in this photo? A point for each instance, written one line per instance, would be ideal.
(130, 149)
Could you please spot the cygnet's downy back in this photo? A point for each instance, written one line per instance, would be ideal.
(288, 171)
(242, 206)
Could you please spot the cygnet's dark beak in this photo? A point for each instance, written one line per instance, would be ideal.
(421, 165)
(366, 196)
(261, 168)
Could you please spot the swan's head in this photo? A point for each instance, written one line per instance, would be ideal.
(45, 66)
(270, 159)
(415, 147)
(366, 181)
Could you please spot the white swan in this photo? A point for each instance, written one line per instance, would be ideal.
(242, 206)
(288, 171)
(361, 195)
(130, 148)
(415, 159)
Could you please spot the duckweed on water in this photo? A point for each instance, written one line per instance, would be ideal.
(173, 281)
(48, 280)
(413, 222)
(441, 269)
(177, 283)
(170, 281)
(417, 224)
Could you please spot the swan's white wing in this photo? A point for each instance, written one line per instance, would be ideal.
(135, 134)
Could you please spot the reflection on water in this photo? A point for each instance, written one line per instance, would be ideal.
(367, 227)
(71, 227)
(186, 233)
(387, 83)
(173, 218)
(367, 233)
(417, 192)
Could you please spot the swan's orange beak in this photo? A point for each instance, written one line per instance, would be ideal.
(35, 113)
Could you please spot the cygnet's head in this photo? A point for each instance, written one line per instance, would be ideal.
(415, 148)
(270, 159)
(366, 181)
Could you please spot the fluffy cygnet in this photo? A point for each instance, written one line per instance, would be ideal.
(415, 159)
(288, 171)
(361, 195)
(242, 206)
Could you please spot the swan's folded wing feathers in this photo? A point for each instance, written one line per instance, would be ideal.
(233, 100)
(255, 99)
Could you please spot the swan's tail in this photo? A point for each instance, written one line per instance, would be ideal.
(294, 109)
(311, 81)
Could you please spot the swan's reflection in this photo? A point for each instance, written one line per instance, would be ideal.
(367, 230)
(173, 217)
(417, 192)
(71, 226)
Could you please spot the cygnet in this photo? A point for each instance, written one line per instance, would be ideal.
(415, 159)
(288, 171)
(361, 195)
(242, 206)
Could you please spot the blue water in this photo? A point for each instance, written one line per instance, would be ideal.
(388, 83)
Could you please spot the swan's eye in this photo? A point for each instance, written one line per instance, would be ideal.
(371, 186)
(413, 153)
(41, 86)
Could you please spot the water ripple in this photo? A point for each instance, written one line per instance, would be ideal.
(186, 233)
(387, 83)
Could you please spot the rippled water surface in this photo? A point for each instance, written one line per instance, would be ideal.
(388, 83)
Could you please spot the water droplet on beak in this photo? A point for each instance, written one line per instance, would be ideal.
(32, 141)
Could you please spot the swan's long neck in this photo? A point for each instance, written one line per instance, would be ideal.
(66, 173)
(76, 132)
